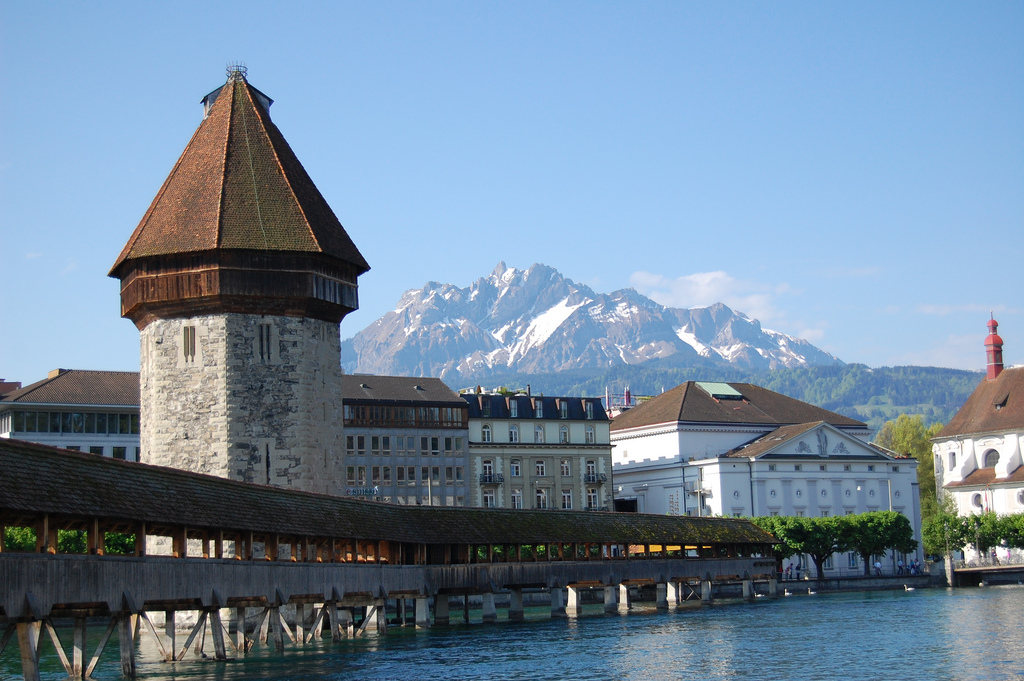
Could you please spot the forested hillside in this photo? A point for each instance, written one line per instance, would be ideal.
(855, 390)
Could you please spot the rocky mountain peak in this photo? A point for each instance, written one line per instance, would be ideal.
(538, 321)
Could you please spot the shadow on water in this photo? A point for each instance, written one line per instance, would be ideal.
(924, 634)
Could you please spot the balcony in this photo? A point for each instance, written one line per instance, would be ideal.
(595, 478)
(491, 478)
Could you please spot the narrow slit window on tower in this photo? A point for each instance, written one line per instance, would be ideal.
(263, 343)
(188, 344)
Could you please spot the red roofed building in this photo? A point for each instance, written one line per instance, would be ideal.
(237, 278)
(978, 455)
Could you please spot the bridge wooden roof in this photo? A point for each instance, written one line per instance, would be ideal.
(38, 479)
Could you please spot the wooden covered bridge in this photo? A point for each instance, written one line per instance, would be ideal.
(197, 545)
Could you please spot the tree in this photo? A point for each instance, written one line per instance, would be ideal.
(873, 533)
(945, 530)
(908, 436)
(983, 531)
(1012, 530)
(817, 537)
(777, 526)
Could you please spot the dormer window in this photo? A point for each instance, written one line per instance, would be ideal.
(563, 409)
(538, 408)
(513, 408)
(590, 410)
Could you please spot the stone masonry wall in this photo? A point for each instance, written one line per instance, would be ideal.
(258, 401)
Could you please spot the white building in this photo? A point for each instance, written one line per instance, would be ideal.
(978, 455)
(539, 452)
(86, 411)
(736, 449)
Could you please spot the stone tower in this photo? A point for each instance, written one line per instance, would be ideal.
(237, 278)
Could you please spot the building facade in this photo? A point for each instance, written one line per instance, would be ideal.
(978, 454)
(405, 440)
(736, 449)
(85, 411)
(539, 452)
(237, 278)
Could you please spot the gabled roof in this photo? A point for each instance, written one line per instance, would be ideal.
(238, 185)
(39, 479)
(75, 386)
(689, 403)
(994, 406)
(366, 388)
(765, 445)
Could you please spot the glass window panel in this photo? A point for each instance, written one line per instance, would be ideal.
(55, 421)
(135, 424)
(90, 423)
(30, 422)
(18, 422)
(66, 423)
(78, 423)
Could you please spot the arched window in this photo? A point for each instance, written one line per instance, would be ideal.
(590, 435)
(538, 434)
(563, 435)
(952, 461)
(991, 459)
(976, 500)
(485, 433)
(513, 432)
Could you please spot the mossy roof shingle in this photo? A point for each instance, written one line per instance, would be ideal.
(40, 479)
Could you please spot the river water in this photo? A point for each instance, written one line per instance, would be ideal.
(922, 634)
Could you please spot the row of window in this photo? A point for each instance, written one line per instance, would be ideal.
(487, 434)
(540, 468)
(404, 475)
(541, 498)
(115, 452)
(69, 422)
(989, 460)
(823, 467)
(403, 417)
(385, 445)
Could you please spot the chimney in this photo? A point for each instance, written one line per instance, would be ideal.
(993, 350)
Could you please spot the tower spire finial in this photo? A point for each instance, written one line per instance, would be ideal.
(236, 70)
(993, 349)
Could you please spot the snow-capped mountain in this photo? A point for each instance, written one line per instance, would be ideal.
(537, 321)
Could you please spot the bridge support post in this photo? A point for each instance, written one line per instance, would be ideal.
(748, 590)
(672, 593)
(611, 603)
(557, 602)
(572, 606)
(78, 649)
(334, 613)
(773, 587)
(515, 605)
(441, 609)
(381, 615)
(169, 631)
(240, 642)
(217, 629)
(623, 598)
(28, 641)
(705, 591)
(490, 613)
(347, 621)
(126, 640)
(661, 596)
(422, 613)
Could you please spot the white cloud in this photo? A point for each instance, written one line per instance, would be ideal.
(755, 299)
(33, 255)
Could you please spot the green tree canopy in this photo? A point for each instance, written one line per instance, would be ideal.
(875, 532)
(908, 436)
(817, 537)
(776, 525)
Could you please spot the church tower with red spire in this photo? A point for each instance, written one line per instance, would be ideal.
(993, 350)
(237, 277)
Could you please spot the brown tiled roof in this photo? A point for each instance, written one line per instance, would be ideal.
(987, 476)
(994, 406)
(40, 479)
(75, 386)
(689, 403)
(363, 387)
(238, 185)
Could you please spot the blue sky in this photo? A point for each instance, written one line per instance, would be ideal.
(851, 173)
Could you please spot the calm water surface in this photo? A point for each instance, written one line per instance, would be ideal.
(924, 634)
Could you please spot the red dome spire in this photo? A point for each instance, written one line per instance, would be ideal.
(993, 350)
